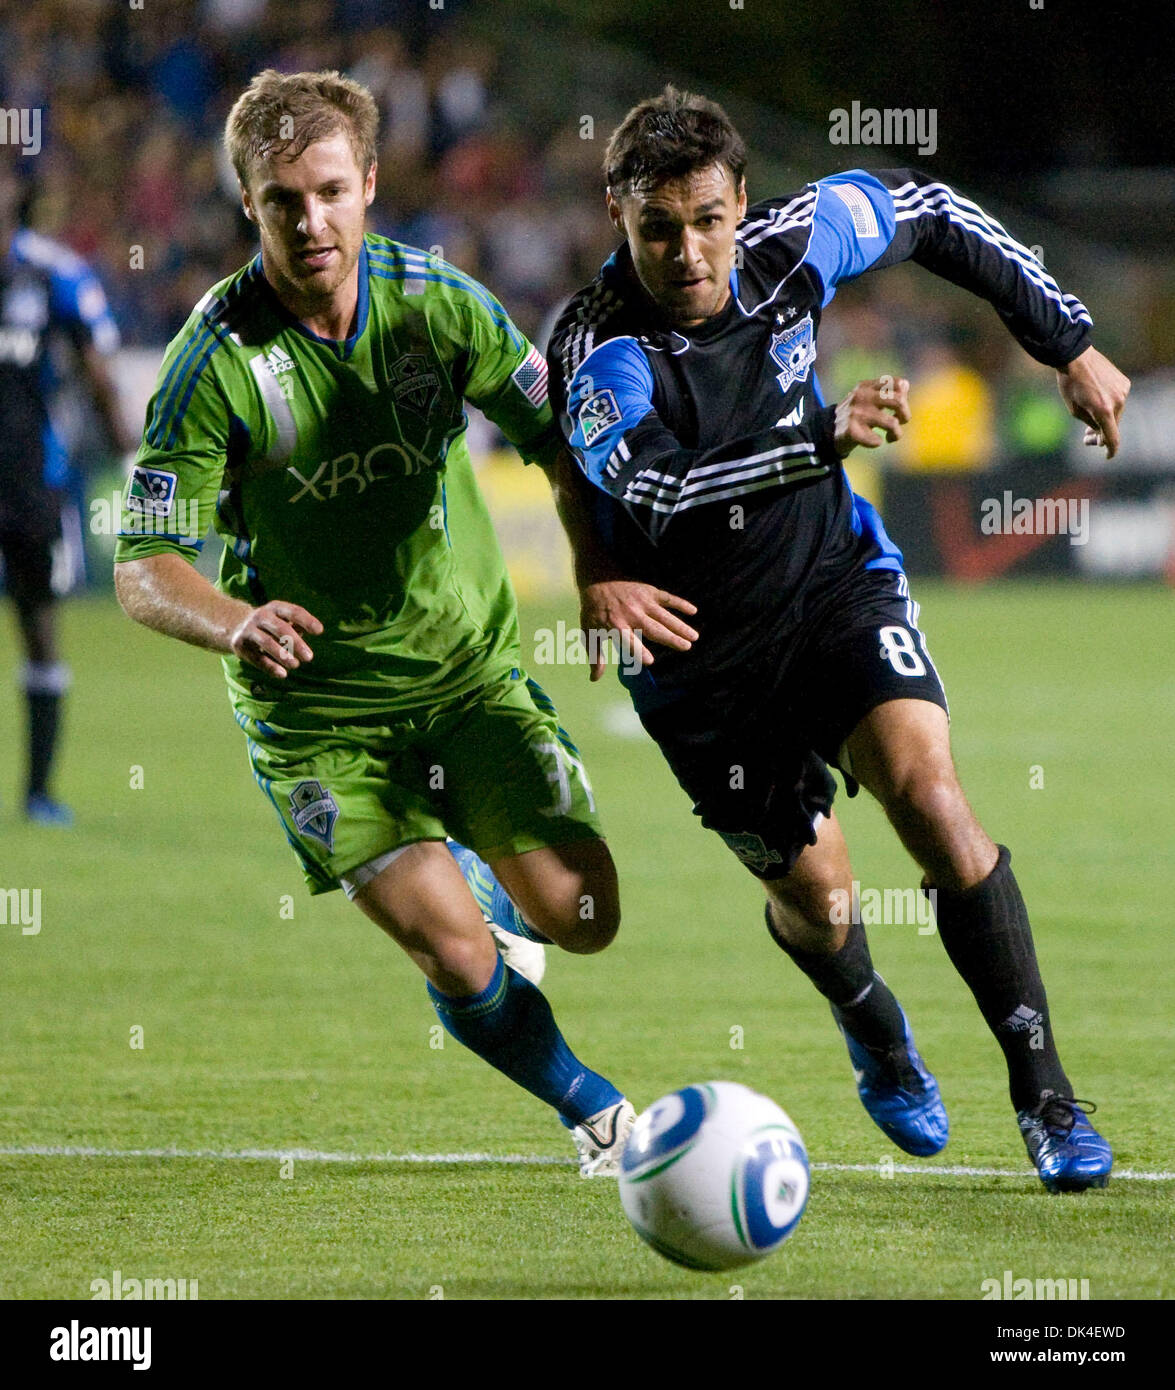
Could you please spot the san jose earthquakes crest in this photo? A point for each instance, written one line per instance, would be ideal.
(315, 811)
(794, 350)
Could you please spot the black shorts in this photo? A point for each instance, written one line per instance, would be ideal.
(28, 566)
(757, 769)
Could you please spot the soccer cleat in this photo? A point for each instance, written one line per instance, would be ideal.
(1070, 1155)
(528, 958)
(43, 810)
(900, 1094)
(601, 1140)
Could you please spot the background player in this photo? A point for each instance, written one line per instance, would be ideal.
(313, 407)
(685, 376)
(46, 293)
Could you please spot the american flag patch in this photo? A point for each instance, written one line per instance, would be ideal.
(530, 376)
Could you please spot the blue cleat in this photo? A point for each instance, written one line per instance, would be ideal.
(43, 810)
(900, 1094)
(1070, 1155)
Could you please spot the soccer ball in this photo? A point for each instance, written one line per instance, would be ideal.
(714, 1176)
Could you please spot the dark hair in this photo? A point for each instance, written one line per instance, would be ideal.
(668, 136)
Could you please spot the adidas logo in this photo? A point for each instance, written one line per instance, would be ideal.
(279, 361)
(1021, 1019)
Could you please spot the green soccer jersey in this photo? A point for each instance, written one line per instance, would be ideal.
(338, 475)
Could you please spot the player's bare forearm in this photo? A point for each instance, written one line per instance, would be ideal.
(104, 393)
(610, 602)
(590, 558)
(164, 593)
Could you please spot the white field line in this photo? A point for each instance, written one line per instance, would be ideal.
(505, 1160)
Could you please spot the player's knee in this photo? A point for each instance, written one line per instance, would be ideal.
(805, 915)
(459, 963)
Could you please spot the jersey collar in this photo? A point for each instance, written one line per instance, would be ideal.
(345, 348)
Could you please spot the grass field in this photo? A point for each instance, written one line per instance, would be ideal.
(163, 910)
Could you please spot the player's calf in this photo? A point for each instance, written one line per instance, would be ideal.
(567, 893)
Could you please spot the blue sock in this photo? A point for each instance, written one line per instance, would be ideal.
(491, 897)
(510, 1025)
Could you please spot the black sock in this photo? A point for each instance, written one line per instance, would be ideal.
(44, 685)
(861, 1001)
(987, 936)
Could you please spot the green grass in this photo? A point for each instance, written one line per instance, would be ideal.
(163, 910)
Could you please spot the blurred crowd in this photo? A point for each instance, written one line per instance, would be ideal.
(134, 102)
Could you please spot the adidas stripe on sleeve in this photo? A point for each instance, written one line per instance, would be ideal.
(626, 450)
(862, 221)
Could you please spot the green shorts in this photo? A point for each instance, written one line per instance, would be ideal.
(492, 769)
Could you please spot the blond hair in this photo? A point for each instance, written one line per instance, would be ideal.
(282, 113)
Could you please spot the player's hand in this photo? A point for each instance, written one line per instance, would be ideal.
(634, 612)
(882, 404)
(1094, 390)
(271, 637)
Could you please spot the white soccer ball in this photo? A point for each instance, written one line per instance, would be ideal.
(714, 1176)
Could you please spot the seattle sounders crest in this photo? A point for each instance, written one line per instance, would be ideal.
(315, 811)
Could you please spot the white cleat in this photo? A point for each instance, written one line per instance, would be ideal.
(528, 958)
(601, 1140)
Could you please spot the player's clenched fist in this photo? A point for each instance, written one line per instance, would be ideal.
(271, 637)
(882, 404)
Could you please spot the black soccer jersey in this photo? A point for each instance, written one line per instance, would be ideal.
(45, 290)
(712, 450)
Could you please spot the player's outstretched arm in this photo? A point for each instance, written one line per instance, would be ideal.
(164, 593)
(1094, 390)
(608, 601)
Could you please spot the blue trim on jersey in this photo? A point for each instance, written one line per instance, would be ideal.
(345, 346)
(186, 541)
(617, 375)
(836, 250)
(266, 785)
(69, 276)
(185, 399)
(867, 521)
(165, 401)
(441, 273)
